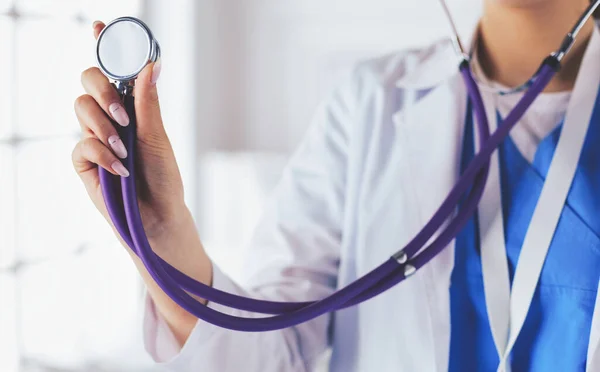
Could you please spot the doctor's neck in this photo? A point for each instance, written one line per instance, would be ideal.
(516, 36)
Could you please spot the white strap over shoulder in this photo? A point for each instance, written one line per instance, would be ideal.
(593, 353)
(543, 223)
(493, 252)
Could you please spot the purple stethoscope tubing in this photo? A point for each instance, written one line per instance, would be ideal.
(124, 212)
(111, 190)
(213, 294)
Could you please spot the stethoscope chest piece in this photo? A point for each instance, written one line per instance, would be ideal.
(124, 48)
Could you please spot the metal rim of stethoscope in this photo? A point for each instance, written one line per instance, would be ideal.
(559, 54)
(152, 56)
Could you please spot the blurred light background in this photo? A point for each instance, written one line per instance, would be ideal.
(240, 81)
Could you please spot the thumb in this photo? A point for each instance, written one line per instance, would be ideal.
(147, 107)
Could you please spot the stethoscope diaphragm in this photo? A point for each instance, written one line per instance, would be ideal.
(124, 47)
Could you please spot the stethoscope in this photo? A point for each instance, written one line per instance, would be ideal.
(126, 46)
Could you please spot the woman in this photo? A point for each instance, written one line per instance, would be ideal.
(379, 159)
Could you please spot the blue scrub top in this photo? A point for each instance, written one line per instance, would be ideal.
(556, 331)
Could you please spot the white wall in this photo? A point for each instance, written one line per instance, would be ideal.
(273, 59)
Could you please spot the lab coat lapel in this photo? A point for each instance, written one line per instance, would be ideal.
(430, 131)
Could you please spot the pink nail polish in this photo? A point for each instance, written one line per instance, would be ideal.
(95, 24)
(119, 114)
(117, 146)
(156, 69)
(118, 167)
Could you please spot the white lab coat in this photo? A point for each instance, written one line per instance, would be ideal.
(381, 156)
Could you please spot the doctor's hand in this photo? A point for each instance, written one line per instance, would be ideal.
(161, 188)
(167, 221)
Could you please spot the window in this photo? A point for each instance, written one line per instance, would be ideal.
(58, 307)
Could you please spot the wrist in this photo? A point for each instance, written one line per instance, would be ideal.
(178, 243)
(173, 233)
(163, 223)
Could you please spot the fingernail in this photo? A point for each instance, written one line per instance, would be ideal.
(96, 23)
(118, 167)
(118, 113)
(118, 147)
(156, 72)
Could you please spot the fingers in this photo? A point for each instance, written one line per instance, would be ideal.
(94, 122)
(98, 26)
(150, 125)
(147, 105)
(90, 152)
(98, 86)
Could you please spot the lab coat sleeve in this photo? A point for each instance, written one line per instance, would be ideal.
(293, 256)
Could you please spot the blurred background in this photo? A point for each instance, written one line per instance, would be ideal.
(240, 81)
